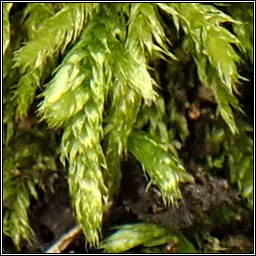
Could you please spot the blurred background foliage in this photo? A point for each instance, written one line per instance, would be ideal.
(91, 83)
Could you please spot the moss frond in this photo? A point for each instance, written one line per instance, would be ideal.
(81, 146)
(123, 114)
(17, 195)
(6, 25)
(132, 235)
(145, 27)
(66, 94)
(144, 234)
(16, 222)
(21, 179)
(53, 37)
(77, 94)
(163, 167)
(215, 57)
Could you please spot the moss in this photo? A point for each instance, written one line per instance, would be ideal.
(97, 75)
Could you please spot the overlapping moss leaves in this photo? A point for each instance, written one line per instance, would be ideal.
(88, 65)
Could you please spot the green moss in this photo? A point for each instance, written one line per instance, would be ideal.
(92, 72)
